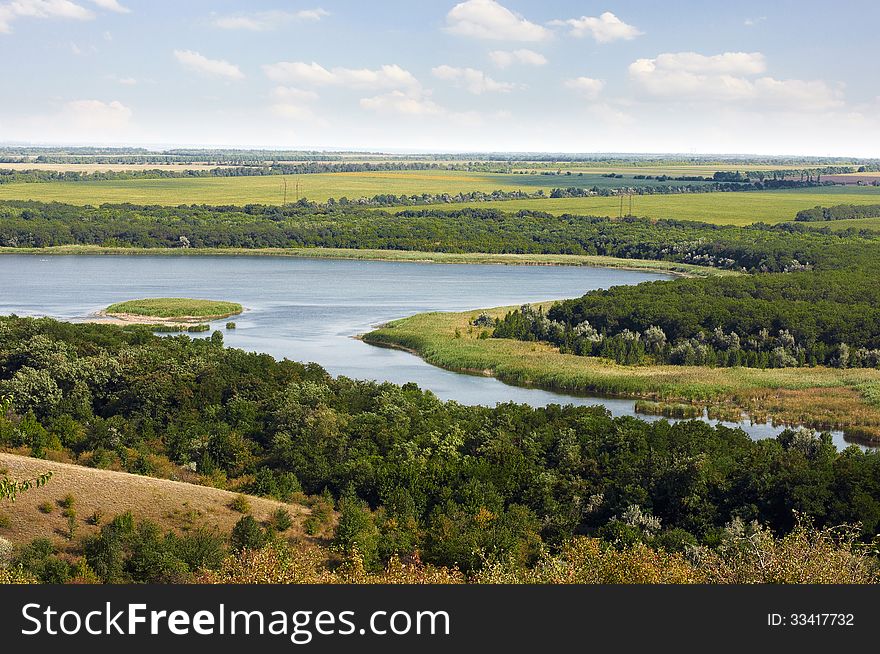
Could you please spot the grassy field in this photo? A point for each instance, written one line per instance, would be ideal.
(270, 189)
(175, 307)
(724, 208)
(412, 256)
(171, 504)
(720, 208)
(823, 397)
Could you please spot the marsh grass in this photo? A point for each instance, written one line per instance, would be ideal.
(823, 397)
(176, 307)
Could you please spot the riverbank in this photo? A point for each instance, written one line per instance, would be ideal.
(411, 256)
(821, 397)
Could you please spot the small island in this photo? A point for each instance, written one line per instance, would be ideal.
(170, 310)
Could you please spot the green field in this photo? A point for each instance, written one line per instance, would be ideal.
(737, 208)
(270, 189)
(175, 307)
(723, 208)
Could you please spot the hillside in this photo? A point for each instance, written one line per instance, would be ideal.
(171, 504)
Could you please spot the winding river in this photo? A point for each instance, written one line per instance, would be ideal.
(309, 309)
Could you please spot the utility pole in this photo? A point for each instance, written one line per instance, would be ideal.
(284, 181)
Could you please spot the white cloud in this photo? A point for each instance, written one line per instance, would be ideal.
(506, 58)
(398, 102)
(729, 77)
(752, 22)
(11, 11)
(263, 21)
(88, 116)
(389, 76)
(604, 29)
(475, 81)
(487, 19)
(112, 5)
(586, 86)
(212, 67)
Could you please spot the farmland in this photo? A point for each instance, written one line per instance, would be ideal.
(719, 208)
(723, 208)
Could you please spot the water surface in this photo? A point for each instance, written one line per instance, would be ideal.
(309, 309)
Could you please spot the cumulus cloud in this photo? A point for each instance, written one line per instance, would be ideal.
(728, 77)
(506, 58)
(475, 81)
(263, 21)
(11, 11)
(487, 19)
(604, 29)
(398, 102)
(586, 86)
(211, 67)
(389, 76)
(112, 5)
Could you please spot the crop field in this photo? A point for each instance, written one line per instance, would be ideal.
(721, 208)
(737, 208)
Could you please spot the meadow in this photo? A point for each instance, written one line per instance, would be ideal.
(734, 208)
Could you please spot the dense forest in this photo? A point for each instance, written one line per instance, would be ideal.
(462, 486)
(822, 311)
(758, 248)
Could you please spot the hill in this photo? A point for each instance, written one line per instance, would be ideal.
(171, 504)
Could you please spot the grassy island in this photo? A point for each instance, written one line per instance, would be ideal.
(174, 309)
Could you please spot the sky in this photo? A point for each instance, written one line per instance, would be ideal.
(784, 77)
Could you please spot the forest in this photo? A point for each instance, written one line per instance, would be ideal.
(464, 486)
(757, 248)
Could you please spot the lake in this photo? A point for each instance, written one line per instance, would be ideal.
(310, 309)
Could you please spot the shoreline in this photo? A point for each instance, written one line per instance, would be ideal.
(831, 400)
(403, 256)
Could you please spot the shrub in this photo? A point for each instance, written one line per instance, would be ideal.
(240, 504)
(230, 325)
(46, 507)
(95, 518)
(67, 502)
(281, 520)
(247, 534)
(4, 521)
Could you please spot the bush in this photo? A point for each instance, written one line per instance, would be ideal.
(46, 507)
(241, 504)
(4, 521)
(67, 502)
(230, 325)
(281, 520)
(247, 534)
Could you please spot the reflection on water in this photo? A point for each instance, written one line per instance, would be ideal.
(309, 309)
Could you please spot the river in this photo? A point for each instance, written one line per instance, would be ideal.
(310, 309)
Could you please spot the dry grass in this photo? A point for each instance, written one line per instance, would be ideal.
(171, 504)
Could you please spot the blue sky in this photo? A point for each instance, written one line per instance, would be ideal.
(781, 77)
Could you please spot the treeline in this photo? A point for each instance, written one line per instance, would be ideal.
(838, 212)
(758, 248)
(776, 321)
(9, 176)
(410, 475)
